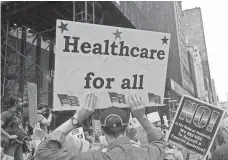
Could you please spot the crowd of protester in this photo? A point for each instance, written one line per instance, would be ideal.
(117, 139)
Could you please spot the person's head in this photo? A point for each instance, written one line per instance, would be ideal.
(114, 123)
(15, 110)
(42, 107)
(9, 102)
(173, 154)
(223, 132)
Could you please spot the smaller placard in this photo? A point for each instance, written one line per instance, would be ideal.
(79, 133)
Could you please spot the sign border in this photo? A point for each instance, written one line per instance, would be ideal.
(213, 138)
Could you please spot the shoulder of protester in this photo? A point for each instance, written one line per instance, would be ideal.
(119, 150)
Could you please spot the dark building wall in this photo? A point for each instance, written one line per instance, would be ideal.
(167, 23)
(149, 18)
(135, 15)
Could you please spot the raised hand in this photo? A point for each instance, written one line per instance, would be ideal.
(88, 108)
(137, 107)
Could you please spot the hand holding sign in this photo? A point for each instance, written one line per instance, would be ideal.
(137, 107)
(88, 109)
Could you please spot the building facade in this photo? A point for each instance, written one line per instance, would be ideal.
(214, 94)
(168, 17)
(197, 72)
(195, 35)
(185, 67)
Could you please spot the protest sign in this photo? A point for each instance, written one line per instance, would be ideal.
(195, 126)
(78, 132)
(112, 62)
(153, 117)
(96, 127)
(32, 100)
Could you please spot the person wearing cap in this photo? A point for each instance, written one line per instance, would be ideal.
(221, 152)
(114, 122)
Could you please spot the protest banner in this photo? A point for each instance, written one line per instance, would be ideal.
(96, 127)
(78, 132)
(112, 62)
(32, 101)
(195, 126)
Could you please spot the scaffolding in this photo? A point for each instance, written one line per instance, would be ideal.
(28, 25)
(14, 72)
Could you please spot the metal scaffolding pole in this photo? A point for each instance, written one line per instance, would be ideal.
(51, 71)
(93, 13)
(86, 14)
(27, 69)
(22, 62)
(5, 60)
(73, 10)
(37, 71)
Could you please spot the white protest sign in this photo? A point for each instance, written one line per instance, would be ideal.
(32, 100)
(79, 133)
(153, 117)
(112, 62)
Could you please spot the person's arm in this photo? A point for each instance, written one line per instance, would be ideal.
(4, 117)
(51, 147)
(47, 121)
(138, 110)
(156, 145)
(4, 133)
(153, 133)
